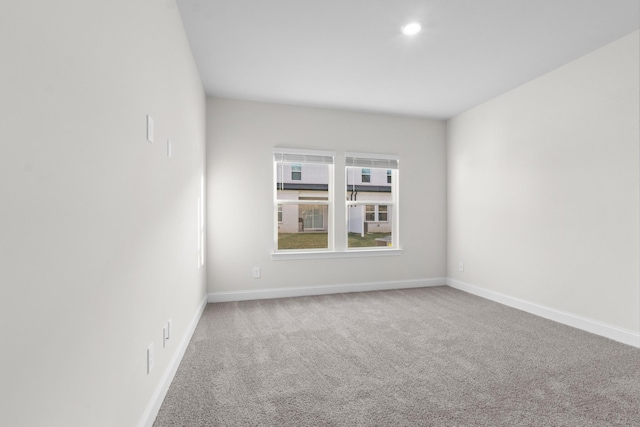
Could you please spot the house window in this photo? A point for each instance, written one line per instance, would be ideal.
(303, 209)
(382, 213)
(296, 172)
(376, 213)
(372, 208)
(370, 213)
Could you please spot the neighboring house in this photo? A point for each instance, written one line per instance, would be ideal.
(302, 182)
(309, 182)
(369, 185)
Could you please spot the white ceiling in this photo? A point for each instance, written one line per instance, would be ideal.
(351, 54)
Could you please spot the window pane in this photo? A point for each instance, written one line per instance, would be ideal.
(370, 213)
(303, 227)
(382, 212)
(366, 175)
(373, 185)
(296, 172)
(363, 234)
(289, 177)
(303, 201)
(312, 217)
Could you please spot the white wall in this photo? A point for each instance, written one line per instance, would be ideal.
(98, 231)
(240, 139)
(544, 189)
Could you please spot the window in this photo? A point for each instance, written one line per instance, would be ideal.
(370, 213)
(303, 205)
(376, 213)
(296, 172)
(372, 203)
(382, 213)
(304, 208)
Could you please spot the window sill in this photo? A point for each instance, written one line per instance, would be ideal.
(362, 253)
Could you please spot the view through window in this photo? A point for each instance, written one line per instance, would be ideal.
(303, 201)
(371, 201)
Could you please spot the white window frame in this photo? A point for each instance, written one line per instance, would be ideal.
(298, 156)
(337, 237)
(376, 161)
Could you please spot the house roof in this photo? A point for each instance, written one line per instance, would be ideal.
(370, 188)
(302, 186)
(325, 187)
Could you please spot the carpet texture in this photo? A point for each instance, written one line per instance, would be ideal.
(415, 357)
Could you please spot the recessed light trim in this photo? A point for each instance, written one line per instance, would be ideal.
(412, 28)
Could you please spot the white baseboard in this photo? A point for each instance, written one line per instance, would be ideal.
(151, 411)
(323, 290)
(599, 328)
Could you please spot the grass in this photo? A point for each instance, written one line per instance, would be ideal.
(302, 241)
(369, 240)
(319, 240)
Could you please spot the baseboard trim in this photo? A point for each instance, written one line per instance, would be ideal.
(615, 333)
(323, 290)
(151, 411)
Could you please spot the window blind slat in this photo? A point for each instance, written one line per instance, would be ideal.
(286, 157)
(362, 162)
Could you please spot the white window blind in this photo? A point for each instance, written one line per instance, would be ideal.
(379, 161)
(297, 156)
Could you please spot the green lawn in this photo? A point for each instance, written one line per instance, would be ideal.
(319, 240)
(356, 241)
(302, 241)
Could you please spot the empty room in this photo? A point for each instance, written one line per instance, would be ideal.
(305, 213)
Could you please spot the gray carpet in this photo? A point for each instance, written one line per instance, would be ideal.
(416, 357)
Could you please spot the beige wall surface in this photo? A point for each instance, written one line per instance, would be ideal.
(240, 139)
(543, 189)
(98, 229)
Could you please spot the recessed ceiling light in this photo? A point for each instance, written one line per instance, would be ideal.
(412, 29)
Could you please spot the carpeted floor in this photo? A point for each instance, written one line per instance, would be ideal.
(416, 357)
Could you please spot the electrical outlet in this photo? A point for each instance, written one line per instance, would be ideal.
(256, 272)
(150, 358)
(461, 266)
